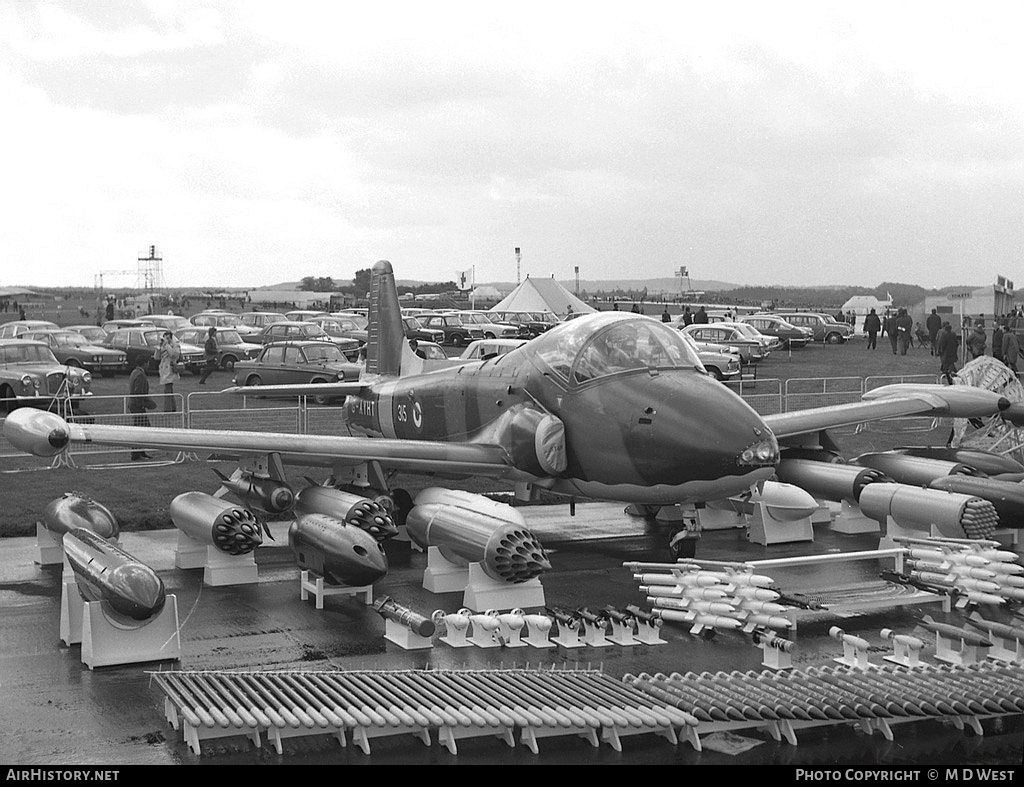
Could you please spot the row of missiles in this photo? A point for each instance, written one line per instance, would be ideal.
(959, 491)
(708, 599)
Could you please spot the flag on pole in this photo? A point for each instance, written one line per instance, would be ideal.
(465, 279)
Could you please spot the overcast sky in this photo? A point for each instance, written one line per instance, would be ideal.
(785, 143)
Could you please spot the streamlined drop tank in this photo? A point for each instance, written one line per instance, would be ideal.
(352, 509)
(74, 510)
(342, 554)
(129, 591)
(828, 480)
(953, 514)
(913, 470)
(1007, 497)
(266, 494)
(220, 523)
(471, 528)
(985, 461)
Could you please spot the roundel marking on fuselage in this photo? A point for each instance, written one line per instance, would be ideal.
(417, 415)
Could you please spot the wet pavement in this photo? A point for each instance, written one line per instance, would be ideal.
(54, 710)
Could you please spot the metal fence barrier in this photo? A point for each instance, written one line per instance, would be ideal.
(765, 396)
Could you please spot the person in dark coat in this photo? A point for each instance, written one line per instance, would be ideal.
(947, 345)
(933, 324)
(1011, 348)
(665, 316)
(687, 316)
(904, 326)
(139, 401)
(210, 353)
(889, 328)
(701, 317)
(872, 325)
(997, 342)
(976, 341)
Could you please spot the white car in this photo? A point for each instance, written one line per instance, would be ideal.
(490, 348)
(768, 342)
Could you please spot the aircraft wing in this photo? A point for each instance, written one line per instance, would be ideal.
(893, 401)
(46, 434)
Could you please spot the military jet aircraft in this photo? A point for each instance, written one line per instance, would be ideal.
(611, 406)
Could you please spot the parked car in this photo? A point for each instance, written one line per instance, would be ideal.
(12, 330)
(492, 327)
(490, 348)
(31, 375)
(251, 323)
(723, 364)
(140, 344)
(94, 333)
(296, 362)
(750, 349)
(455, 333)
(73, 349)
(304, 315)
(773, 325)
(115, 325)
(415, 330)
(431, 351)
(530, 324)
(231, 347)
(343, 326)
(293, 331)
(824, 328)
(170, 322)
(769, 343)
(216, 320)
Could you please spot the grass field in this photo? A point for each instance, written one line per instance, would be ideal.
(139, 494)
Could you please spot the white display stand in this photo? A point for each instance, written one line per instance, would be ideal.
(105, 644)
(404, 637)
(484, 631)
(775, 658)
(71, 607)
(906, 649)
(721, 519)
(51, 548)
(622, 634)
(648, 633)
(483, 593)
(567, 637)
(319, 590)
(762, 529)
(538, 631)
(510, 629)
(456, 626)
(946, 650)
(855, 649)
(223, 569)
(850, 521)
(892, 531)
(1006, 649)
(443, 576)
(189, 553)
(594, 635)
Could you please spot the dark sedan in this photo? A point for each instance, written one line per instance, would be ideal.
(343, 326)
(231, 348)
(455, 332)
(73, 349)
(414, 330)
(297, 331)
(293, 362)
(140, 345)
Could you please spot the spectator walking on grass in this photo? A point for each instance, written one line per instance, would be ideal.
(904, 323)
(210, 352)
(948, 346)
(872, 325)
(933, 324)
(1011, 348)
(167, 355)
(139, 401)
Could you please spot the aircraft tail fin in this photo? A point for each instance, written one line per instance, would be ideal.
(387, 351)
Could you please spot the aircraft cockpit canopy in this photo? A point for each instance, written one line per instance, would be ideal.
(586, 349)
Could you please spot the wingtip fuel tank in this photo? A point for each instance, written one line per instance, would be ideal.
(130, 592)
(74, 510)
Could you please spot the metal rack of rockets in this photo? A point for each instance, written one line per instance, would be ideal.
(710, 596)
(973, 572)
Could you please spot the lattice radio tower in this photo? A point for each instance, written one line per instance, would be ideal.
(151, 271)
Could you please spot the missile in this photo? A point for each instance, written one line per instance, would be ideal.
(389, 609)
(129, 591)
(771, 639)
(701, 594)
(761, 607)
(220, 523)
(266, 494)
(352, 509)
(710, 607)
(1006, 497)
(994, 629)
(985, 461)
(466, 527)
(828, 481)
(968, 637)
(74, 510)
(912, 470)
(952, 556)
(679, 579)
(771, 621)
(599, 621)
(910, 506)
(756, 594)
(699, 620)
(342, 554)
